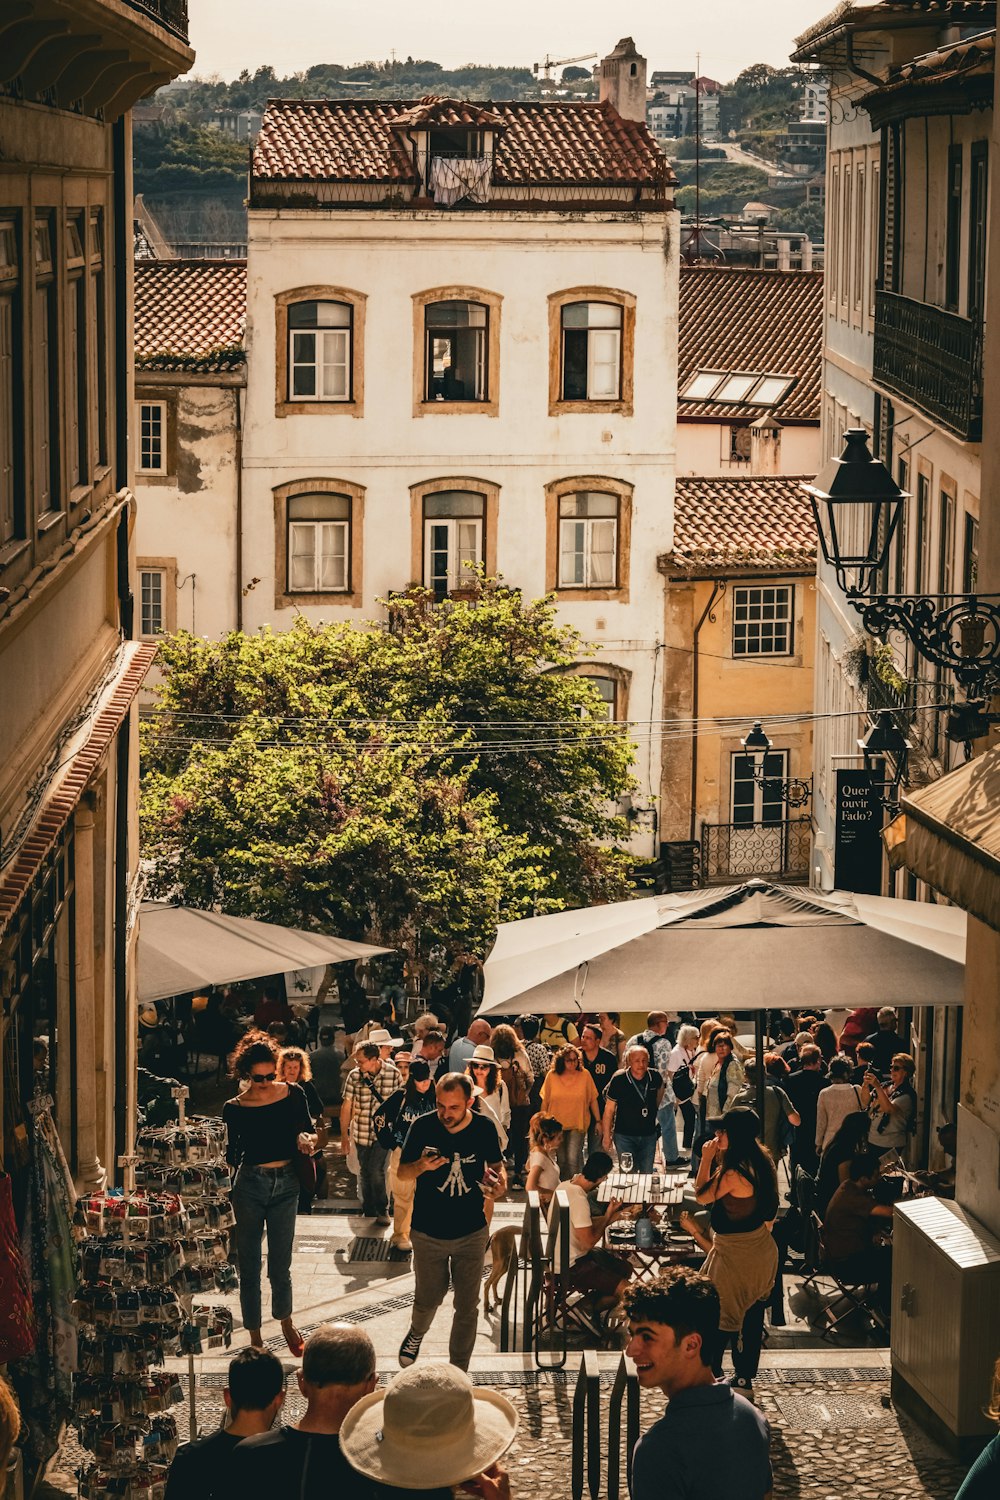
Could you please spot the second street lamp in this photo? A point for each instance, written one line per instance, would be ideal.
(857, 507)
(794, 792)
(884, 746)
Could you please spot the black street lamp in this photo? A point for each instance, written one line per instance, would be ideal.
(795, 792)
(883, 746)
(857, 506)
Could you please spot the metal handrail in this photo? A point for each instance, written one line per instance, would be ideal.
(526, 1248)
(586, 1428)
(625, 1389)
(558, 1234)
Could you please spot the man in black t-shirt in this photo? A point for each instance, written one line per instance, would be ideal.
(602, 1065)
(630, 1113)
(454, 1157)
(305, 1461)
(202, 1470)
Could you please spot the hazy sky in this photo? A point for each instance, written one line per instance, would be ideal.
(293, 34)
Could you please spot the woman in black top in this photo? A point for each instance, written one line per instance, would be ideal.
(392, 1125)
(266, 1123)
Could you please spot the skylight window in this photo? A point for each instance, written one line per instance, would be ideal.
(702, 385)
(738, 387)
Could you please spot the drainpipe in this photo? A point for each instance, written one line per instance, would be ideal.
(122, 210)
(238, 392)
(718, 589)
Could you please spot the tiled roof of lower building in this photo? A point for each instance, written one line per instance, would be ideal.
(742, 525)
(754, 322)
(363, 140)
(190, 314)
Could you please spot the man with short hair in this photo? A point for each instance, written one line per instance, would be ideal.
(432, 1051)
(630, 1113)
(202, 1470)
(711, 1441)
(454, 1157)
(365, 1091)
(657, 1042)
(804, 1087)
(886, 1040)
(326, 1062)
(305, 1461)
(602, 1065)
(462, 1048)
(594, 1271)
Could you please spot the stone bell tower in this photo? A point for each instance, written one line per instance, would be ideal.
(623, 80)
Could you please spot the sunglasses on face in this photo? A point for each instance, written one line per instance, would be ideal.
(480, 1067)
(263, 1077)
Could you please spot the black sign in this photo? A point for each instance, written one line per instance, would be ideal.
(857, 856)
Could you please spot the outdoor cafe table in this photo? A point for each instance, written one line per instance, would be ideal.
(664, 1189)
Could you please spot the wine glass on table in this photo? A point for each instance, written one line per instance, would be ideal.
(625, 1161)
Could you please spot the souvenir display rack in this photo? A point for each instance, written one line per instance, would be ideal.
(146, 1252)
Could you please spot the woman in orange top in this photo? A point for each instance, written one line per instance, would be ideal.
(569, 1093)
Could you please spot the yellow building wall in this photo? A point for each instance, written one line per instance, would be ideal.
(739, 688)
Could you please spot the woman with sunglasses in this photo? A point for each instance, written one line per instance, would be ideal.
(484, 1070)
(267, 1123)
(294, 1067)
(570, 1094)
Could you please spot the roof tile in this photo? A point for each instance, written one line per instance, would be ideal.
(543, 144)
(754, 321)
(190, 314)
(743, 524)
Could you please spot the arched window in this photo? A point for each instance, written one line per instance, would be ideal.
(454, 532)
(320, 351)
(456, 363)
(591, 350)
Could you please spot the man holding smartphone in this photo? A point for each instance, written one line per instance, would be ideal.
(454, 1157)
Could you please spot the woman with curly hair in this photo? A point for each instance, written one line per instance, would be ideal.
(570, 1094)
(494, 1101)
(266, 1123)
(517, 1077)
(738, 1183)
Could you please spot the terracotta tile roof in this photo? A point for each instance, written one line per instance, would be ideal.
(741, 525)
(190, 314)
(360, 140)
(762, 322)
(960, 77)
(62, 798)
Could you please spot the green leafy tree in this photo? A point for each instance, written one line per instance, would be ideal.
(411, 785)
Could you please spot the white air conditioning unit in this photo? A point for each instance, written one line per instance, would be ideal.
(945, 1312)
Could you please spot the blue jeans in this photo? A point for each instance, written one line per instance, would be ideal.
(666, 1119)
(373, 1161)
(265, 1197)
(569, 1153)
(642, 1147)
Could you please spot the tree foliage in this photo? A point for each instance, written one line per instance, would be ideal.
(410, 786)
(183, 158)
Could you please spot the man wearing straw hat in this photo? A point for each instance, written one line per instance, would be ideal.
(430, 1430)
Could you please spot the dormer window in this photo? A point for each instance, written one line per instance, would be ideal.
(454, 143)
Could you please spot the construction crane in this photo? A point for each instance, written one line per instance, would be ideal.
(544, 69)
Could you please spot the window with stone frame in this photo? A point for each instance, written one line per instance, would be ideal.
(591, 351)
(319, 544)
(152, 431)
(454, 526)
(320, 351)
(456, 351)
(588, 540)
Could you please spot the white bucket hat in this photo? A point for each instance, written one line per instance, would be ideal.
(381, 1038)
(428, 1429)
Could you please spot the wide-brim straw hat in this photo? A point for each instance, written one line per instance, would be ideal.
(430, 1428)
(382, 1038)
(483, 1053)
(148, 1016)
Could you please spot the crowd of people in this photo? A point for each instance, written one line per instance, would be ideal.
(437, 1128)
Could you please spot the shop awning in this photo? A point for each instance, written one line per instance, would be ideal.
(948, 834)
(183, 949)
(736, 948)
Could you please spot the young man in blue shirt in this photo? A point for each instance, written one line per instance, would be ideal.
(710, 1441)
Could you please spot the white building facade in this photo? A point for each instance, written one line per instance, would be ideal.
(469, 358)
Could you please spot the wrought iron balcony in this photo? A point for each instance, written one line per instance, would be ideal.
(777, 851)
(931, 358)
(171, 14)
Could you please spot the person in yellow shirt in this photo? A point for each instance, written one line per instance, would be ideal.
(570, 1094)
(556, 1032)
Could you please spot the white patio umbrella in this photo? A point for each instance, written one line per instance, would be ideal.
(181, 948)
(751, 947)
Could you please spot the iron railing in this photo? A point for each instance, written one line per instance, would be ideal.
(586, 1450)
(171, 14)
(931, 358)
(777, 851)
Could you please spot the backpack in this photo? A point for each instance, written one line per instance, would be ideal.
(683, 1080)
(517, 1085)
